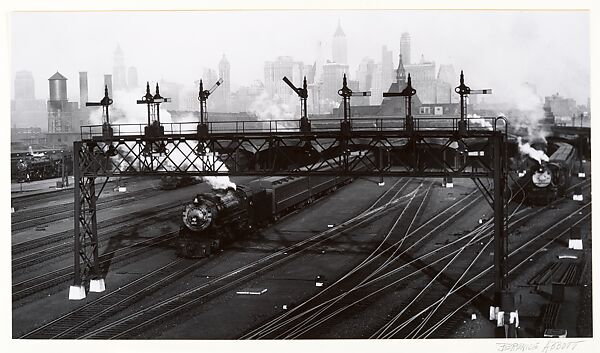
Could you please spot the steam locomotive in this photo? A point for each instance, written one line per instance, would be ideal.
(216, 218)
(546, 181)
(37, 166)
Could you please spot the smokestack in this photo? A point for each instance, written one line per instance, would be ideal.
(83, 89)
(108, 82)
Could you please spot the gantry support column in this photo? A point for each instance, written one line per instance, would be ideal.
(504, 311)
(85, 226)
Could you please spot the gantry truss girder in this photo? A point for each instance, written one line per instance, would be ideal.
(478, 153)
(395, 154)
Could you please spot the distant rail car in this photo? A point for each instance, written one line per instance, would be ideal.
(216, 218)
(30, 166)
(545, 182)
(175, 182)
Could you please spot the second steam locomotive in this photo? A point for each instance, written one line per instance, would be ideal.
(546, 181)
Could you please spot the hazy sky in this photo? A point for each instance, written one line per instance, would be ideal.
(497, 49)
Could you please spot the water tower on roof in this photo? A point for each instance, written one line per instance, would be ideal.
(58, 87)
(60, 110)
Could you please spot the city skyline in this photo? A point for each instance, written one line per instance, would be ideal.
(157, 44)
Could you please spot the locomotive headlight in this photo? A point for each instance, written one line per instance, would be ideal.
(541, 178)
(197, 217)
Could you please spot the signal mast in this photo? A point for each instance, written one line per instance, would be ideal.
(303, 94)
(202, 98)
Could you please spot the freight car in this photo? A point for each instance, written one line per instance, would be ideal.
(173, 182)
(546, 181)
(219, 217)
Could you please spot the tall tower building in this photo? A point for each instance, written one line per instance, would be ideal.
(405, 47)
(25, 110)
(273, 74)
(132, 78)
(333, 74)
(209, 77)
(224, 93)
(387, 68)
(24, 86)
(83, 89)
(119, 78)
(339, 46)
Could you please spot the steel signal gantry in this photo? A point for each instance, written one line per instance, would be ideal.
(427, 147)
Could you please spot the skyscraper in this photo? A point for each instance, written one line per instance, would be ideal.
(132, 78)
(366, 80)
(388, 73)
(339, 47)
(333, 74)
(24, 85)
(119, 78)
(424, 79)
(224, 92)
(405, 48)
(83, 89)
(364, 74)
(26, 111)
(209, 77)
(274, 73)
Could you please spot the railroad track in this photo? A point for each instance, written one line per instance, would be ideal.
(33, 217)
(411, 329)
(24, 201)
(302, 319)
(77, 322)
(130, 324)
(50, 279)
(519, 257)
(62, 243)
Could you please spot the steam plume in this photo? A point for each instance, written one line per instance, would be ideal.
(538, 155)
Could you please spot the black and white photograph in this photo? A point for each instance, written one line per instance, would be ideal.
(199, 174)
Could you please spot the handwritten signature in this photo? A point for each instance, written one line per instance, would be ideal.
(540, 346)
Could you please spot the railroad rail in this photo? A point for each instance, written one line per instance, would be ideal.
(128, 325)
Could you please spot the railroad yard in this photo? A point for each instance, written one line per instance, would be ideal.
(409, 259)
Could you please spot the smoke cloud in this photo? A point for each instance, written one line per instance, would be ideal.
(538, 155)
(529, 113)
(269, 108)
(480, 122)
